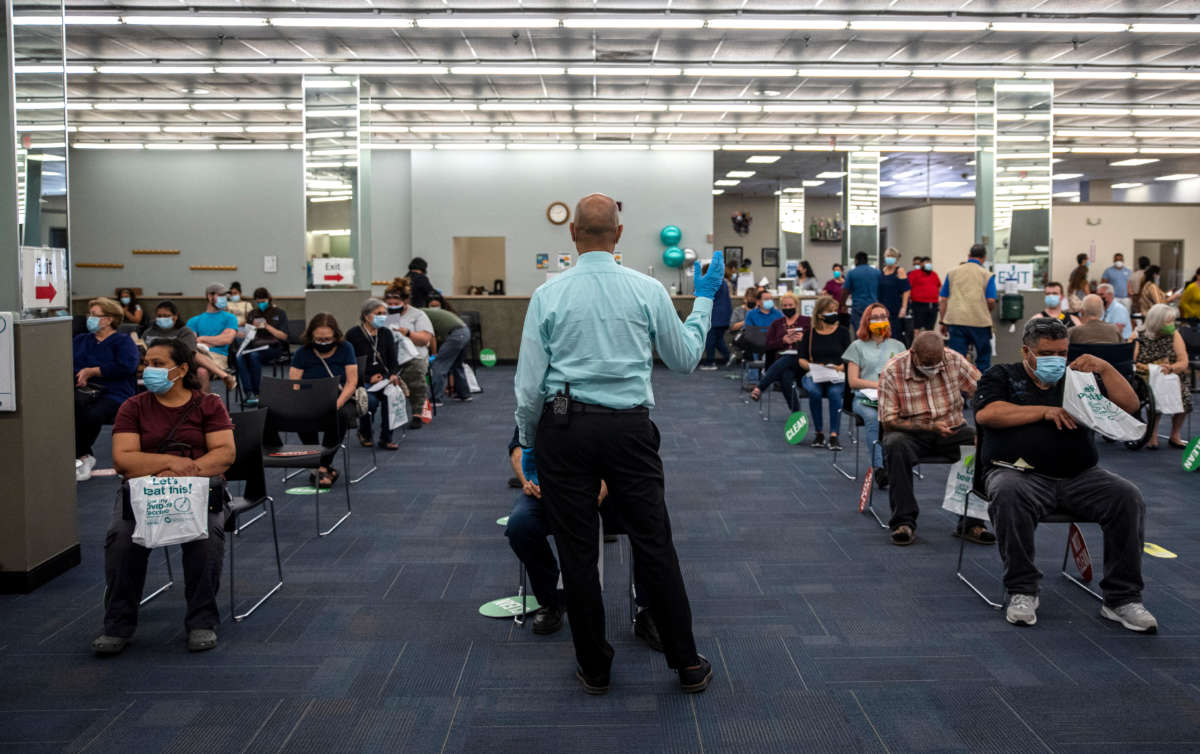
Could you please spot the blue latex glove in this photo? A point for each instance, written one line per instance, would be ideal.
(708, 285)
(529, 465)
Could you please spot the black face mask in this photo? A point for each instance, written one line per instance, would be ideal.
(829, 318)
(324, 347)
(395, 310)
(789, 312)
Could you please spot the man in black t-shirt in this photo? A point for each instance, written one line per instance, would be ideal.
(1037, 459)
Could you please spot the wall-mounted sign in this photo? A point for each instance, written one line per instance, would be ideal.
(564, 261)
(543, 261)
(44, 283)
(1018, 273)
(333, 271)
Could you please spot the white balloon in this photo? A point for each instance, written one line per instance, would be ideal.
(689, 256)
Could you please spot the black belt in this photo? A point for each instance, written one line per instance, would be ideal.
(578, 407)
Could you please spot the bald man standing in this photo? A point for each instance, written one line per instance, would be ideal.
(583, 405)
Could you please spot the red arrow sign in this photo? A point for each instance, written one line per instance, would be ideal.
(335, 278)
(46, 292)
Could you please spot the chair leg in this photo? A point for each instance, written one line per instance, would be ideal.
(962, 543)
(346, 471)
(838, 468)
(1081, 584)
(521, 592)
(368, 472)
(278, 568)
(871, 496)
(632, 591)
(170, 579)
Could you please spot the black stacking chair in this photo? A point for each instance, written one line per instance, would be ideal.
(921, 461)
(978, 490)
(753, 346)
(247, 467)
(362, 380)
(855, 421)
(295, 329)
(303, 406)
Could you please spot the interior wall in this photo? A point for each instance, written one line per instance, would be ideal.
(217, 208)
(391, 213)
(478, 261)
(507, 193)
(910, 231)
(764, 229)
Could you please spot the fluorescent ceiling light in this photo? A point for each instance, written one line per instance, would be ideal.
(547, 129)
(808, 108)
(829, 174)
(885, 184)
(936, 131)
(917, 25)
(280, 129)
(1133, 162)
(342, 22)
(812, 147)
(252, 146)
(1171, 28)
(274, 70)
(203, 129)
(53, 69)
(105, 145)
(1085, 110)
(1129, 185)
(1066, 176)
(398, 146)
(614, 128)
(1169, 150)
(810, 183)
(757, 147)
(1178, 177)
(954, 148)
(1166, 112)
(429, 106)
(507, 70)
(726, 182)
(642, 22)
(142, 106)
(618, 107)
(384, 129)
(1169, 75)
(183, 146)
(34, 128)
(950, 184)
(44, 105)
(740, 174)
(390, 70)
(735, 71)
(450, 129)
(526, 107)
(780, 24)
(969, 110)
(718, 192)
(315, 113)
(1092, 134)
(464, 147)
(614, 147)
(716, 107)
(1065, 194)
(777, 130)
(154, 70)
(900, 108)
(966, 73)
(82, 20)
(858, 131)
(328, 84)
(1059, 27)
(130, 129)
(863, 72)
(1090, 73)
(333, 152)
(243, 106)
(455, 21)
(684, 147)
(551, 146)
(320, 199)
(616, 70)
(182, 19)
(1104, 150)
(1181, 134)
(763, 159)
(696, 129)
(899, 148)
(313, 164)
(37, 21)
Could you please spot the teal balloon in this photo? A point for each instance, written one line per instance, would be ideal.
(671, 235)
(673, 256)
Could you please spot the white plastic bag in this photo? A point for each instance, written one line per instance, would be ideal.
(1168, 395)
(168, 510)
(958, 484)
(397, 405)
(472, 381)
(406, 351)
(1084, 402)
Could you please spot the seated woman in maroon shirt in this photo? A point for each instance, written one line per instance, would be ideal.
(172, 429)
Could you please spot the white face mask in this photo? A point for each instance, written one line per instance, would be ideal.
(1118, 264)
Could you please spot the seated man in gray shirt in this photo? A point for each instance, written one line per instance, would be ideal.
(1093, 329)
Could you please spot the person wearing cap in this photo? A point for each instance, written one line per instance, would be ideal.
(422, 289)
(215, 329)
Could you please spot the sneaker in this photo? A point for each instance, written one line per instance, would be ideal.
(463, 398)
(1022, 610)
(201, 639)
(834, 443)
(109, 645)
(818, 441)
(708, 368)
(83, 468)
(251, 401)
(1131, 615)
(439, 404)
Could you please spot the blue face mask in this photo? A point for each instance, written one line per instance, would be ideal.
(262, 305)
(164, 323)
(93, 324)
(1052, 301)
(1050, 369)
(222, 302)
(769, 304)
(837, 274)
(235, 297)
(889, 261)
(379, 320)
(928, 267)
(125, 300)
(156, 379)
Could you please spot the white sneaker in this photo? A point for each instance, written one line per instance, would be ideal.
(83, 472)
(1132, 615)
(708, 368)
(1022, 610)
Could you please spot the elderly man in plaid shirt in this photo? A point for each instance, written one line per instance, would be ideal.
(921, 413)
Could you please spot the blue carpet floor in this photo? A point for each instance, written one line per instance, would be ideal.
(824, 637)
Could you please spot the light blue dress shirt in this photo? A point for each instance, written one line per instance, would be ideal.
(1117, 314)
(597, 326)
(1118, 279)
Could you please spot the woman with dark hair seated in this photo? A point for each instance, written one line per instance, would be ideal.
(129, 304)
(168, 326)
(105, 363)
(372, 339)
(172, 429)
(325, 353)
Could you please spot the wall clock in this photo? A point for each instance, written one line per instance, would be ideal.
(558, 213)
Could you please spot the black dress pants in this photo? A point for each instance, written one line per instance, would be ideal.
(901, 452)
(622, 449)
(90, 421)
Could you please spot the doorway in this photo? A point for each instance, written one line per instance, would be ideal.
(1168, 255)
(479, 262)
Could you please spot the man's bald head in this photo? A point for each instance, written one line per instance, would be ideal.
(597, 224)
(1093, 307)
(928, 348)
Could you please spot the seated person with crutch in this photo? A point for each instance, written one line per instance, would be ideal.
(1020, 406)
(528, 535)
(921, 414)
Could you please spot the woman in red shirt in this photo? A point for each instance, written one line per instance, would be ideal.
(924, 286)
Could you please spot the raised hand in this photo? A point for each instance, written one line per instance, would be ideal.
(708, 285)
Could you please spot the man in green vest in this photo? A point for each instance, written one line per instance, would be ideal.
(965, 306)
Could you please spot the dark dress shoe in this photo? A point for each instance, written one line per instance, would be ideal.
(694, 680)
(644, 629)
(547, 620)
(593, 684)
(881, 478)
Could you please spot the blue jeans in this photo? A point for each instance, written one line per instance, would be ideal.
(870, 417)
(831, 391)
(783, 371)
(250, 366)
(716, 342)
(961, 336)
(375, 401)
(450, 356)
